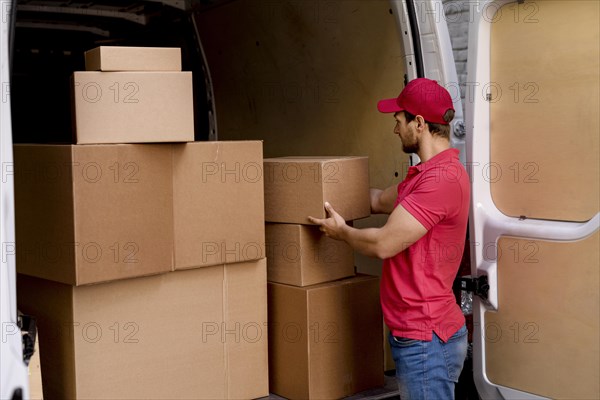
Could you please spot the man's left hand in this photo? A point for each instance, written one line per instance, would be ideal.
(333, 226)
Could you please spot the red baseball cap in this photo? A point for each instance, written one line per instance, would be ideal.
(423, 97)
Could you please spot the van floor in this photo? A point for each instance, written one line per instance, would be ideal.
(388, 391)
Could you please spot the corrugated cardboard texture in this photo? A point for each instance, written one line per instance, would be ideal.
(122, 58)
(332, 332)
(83, 212)
(301, 255)
(546, 329)
(197, 334)
(297, 187)
(133, 107)
(219, 203)
(545, 147)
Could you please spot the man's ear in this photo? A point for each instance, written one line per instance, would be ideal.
(420, 121)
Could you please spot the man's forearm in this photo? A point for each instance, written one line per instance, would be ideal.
(366, 241)
(400, 231)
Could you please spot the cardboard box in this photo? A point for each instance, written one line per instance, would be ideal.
(219, 203)
(87, 214)
(122, 58)
(133, 107)
(325, 340)
(297, 187)
(195, 334)
(302, 255)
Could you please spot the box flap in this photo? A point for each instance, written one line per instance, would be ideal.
(116, 189)
(221, 185)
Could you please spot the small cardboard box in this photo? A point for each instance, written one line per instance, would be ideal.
(297, 187)
(194, 334)
(325, 340)
(133, 107)
(302, 255)
(218, 203)
(87, 214)
(123, 58)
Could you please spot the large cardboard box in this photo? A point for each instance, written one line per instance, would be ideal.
(194, 334)
(88, 214)
(302, 255)
(297, 187)
(123, 58)
(219, 203)
(325, 340)
(133, 107)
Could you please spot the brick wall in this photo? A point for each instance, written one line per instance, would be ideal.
(457, 18)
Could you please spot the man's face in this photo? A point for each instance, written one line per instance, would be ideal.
(407, 133)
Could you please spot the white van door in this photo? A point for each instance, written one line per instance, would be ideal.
(428, 53)
(532, 127)
(13, 371)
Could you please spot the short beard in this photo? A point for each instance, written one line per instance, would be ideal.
(410, 148)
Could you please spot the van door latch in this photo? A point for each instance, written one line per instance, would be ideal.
(477, 285)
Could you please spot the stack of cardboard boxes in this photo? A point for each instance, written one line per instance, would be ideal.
(324, 321)
(143, 263)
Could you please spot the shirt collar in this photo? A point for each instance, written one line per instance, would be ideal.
(440, 158)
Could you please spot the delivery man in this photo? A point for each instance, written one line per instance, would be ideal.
(421, 245)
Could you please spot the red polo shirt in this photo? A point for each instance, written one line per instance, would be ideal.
(416, 284)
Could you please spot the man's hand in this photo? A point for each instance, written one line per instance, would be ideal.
(383, 201)
(399, 232)
(334, 226)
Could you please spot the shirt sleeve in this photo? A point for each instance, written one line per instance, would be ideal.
(431, 198)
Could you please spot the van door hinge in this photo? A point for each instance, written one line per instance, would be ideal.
(477, 285)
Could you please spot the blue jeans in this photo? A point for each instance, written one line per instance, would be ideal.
(429, 370)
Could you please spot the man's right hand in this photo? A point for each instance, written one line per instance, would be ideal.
(383, 201)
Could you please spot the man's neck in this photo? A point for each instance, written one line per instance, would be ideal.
(432, 148)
